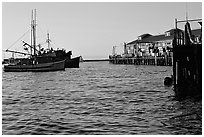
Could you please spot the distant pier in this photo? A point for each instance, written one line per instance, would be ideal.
(181, 49)
(95, 60)
(157, 61)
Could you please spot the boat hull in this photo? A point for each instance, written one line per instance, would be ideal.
(72, 63)
(69, 63)
(44, 67)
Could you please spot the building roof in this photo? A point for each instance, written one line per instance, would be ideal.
(172, 30)
(147, 38)
(152, 38)
(132, 42)
(196, 32)
(145, 35)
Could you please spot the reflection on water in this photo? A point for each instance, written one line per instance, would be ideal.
(97, 98)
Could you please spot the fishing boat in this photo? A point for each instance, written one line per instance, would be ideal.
(50, 66)
(49, 55)
(57, 55)
(32, 63)
(73, 62)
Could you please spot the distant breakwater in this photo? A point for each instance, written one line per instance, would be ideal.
(95, 60)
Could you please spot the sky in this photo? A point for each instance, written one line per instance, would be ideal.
(92, 29)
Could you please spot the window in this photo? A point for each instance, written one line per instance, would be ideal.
(168, 34)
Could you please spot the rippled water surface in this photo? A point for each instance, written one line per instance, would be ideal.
(97, 98)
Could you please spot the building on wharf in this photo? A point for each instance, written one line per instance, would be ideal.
(181, 49)
(150, 49)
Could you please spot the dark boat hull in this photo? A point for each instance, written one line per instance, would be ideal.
(72, 63)
(44, 67)
(69, 63)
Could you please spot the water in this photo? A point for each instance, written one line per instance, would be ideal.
(97, 98)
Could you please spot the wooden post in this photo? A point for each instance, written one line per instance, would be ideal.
(173, 58)
(155, 59)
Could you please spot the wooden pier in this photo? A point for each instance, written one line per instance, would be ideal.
(187, 65)
(186, 61)
(187, 70)
(149, 60)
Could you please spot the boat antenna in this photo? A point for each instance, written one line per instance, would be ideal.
(113, 52)
(48, 40)
(186, 12)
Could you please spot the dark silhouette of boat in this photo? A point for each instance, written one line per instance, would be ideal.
(41, 60)
(57, 55)
(43, 67)
(72, 63)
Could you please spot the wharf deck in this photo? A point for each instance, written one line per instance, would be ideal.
(150, 60)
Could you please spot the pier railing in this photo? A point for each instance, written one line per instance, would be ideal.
(148, 60)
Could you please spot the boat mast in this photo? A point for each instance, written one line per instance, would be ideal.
(31, 35)
(34, 32)
(48, 41)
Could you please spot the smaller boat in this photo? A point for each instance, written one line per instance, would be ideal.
(72, 63)
(58, 55)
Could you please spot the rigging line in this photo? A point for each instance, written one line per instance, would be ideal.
(41, 43)
(18, 39)
(41, 30)
(56, 45)
(43, 36)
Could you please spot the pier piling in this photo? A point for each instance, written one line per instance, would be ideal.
(187, 64)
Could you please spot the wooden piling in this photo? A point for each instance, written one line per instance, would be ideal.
(187, 70)
(187, 65)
